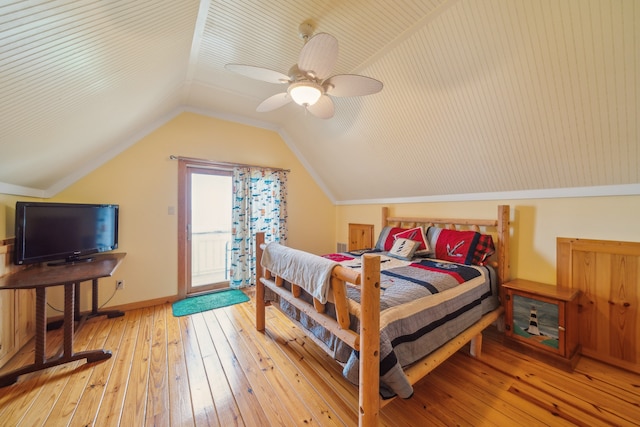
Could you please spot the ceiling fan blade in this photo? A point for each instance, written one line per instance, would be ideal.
(319, 55)
(274, 102)
(323, 109)
(352, 85)
(258, 73)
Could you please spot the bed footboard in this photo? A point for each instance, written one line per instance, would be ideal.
(367, 342)
(337, 294)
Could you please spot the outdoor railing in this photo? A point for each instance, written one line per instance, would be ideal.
(210, 252)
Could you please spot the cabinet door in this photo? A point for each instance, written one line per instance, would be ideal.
(537, 321)
(360, 236)
(608, 275)
(25, 316)
(7, 324)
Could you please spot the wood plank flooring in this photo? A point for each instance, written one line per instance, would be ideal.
(215, 369)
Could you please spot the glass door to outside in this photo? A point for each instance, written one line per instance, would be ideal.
(209, 229)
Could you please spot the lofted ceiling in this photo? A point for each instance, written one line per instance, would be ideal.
(480, 96)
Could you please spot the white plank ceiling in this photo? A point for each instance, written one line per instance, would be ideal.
(480, 96)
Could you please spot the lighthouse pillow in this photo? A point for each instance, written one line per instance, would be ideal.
(403, 249)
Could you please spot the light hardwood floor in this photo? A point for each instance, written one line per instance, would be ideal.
(213, 368)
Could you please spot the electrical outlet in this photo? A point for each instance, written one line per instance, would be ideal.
(119, 284)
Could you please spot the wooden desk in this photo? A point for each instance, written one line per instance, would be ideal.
(40, 277)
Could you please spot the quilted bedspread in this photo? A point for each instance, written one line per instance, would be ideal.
(423, 304)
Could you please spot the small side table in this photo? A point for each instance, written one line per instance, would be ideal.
(543, 319)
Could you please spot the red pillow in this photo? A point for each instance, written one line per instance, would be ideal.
(415, 234)
(457, 246)
(387, 237)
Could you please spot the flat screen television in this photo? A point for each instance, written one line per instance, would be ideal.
(64, 232)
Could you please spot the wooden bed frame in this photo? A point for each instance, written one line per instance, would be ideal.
(368, 341)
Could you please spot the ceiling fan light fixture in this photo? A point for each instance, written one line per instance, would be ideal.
(305, 93)
(310, 83)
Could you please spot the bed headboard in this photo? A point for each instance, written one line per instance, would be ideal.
(498, 228)
(608, 275)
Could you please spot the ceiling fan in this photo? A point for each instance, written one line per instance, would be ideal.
(310, 83)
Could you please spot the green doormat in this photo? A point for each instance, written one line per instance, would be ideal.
(207, 302)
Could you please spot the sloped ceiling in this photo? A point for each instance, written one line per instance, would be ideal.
(480, 96)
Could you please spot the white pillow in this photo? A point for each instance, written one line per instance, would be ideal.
(404, 248)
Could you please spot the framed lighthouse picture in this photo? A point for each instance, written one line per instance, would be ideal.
(543, 317)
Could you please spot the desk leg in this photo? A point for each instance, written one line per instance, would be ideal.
(41, 326)
(68, 355)
(69, 318)
(76, 303)
(95, 311)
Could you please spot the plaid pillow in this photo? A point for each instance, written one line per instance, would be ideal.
(484, 249)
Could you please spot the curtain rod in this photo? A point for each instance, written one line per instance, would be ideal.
(216, 163)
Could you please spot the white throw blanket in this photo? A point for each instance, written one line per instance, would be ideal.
(311, 272)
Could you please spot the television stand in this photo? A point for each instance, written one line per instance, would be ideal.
(69, 261)
(70, 276)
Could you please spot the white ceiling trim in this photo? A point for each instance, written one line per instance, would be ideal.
(555, 193)
(18, 190)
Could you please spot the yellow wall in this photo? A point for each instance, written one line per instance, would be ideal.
(536, 223)
(143, 181)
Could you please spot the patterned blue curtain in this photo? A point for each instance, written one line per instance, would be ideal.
(259, 204)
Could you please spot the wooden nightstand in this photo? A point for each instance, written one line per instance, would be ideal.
(543, 319)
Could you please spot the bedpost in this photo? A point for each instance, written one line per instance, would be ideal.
(369, 400)
(503, 247)
(503, 243)
(385, 215)
(260, 310)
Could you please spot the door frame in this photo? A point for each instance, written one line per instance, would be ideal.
(185, 169)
